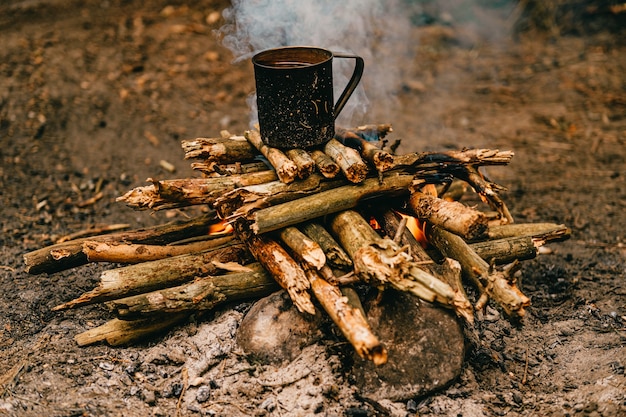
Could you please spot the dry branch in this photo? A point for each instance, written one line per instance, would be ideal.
(70, 254)
(149, 276)
(285, 168)
(308, 250)
(327, 202)
(168, 194)
(118, 332)
(326, 166)
(350, 320)
(136, 253)
(380, 261)
(349, 161)
(507, 250)
(286, 271)
(450, 215)
(380, 159)
(237, 168)
(303, 160)
(335, 255)
(539, 232)
(495, 284)
(235, 149)
(202, 294)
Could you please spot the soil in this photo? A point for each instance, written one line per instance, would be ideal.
(94, 95)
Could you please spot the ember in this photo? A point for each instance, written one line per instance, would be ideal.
(299, 222)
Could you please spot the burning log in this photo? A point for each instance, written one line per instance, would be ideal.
(498, 285)
(200, 295)
(69, 254)
(349, 161)
(150, 276)
(450, 215)
(382, 262)
(326, 166)
(285, 168)
(448, 271)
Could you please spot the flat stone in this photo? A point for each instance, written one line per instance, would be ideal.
(273, 331)
(425, 344)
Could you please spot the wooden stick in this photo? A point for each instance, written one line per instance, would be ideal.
(380, 159)
(450, 215)
(349, 320)
(327, 202)
(70, 254)
(546, 232)
(303, 160)
(220, 150)
(285, 168)
(498, 285)
(372, 132)
(286, 271)
(243, 201)
(150, 276)
(237, 168)
(326, 166)
(486, 189)
(135, 253)
(507, 250)
(93, 231)
(200, 295)
(306, 248)
(335, 255)
(123, 332)
(168, 194)
(381, 261)
(449, 271)
(349, 161)
(429, 160)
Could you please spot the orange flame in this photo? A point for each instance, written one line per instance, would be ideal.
(220, 228)
(417, 229)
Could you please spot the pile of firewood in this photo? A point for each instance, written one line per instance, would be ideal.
(314, 222)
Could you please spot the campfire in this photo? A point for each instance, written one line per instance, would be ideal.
(313, 222)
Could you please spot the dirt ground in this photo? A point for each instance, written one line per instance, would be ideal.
(93, 97)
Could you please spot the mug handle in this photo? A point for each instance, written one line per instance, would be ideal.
(354, 81)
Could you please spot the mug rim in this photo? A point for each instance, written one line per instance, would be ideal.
(257, 58)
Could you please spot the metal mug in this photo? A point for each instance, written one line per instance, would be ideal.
(294, 87)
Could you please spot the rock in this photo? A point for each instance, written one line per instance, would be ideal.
(425, 345)
(274, 331)
(203, 394)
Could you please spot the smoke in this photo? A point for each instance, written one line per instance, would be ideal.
(376, 30)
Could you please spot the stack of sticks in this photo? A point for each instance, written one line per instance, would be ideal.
(317, 223)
